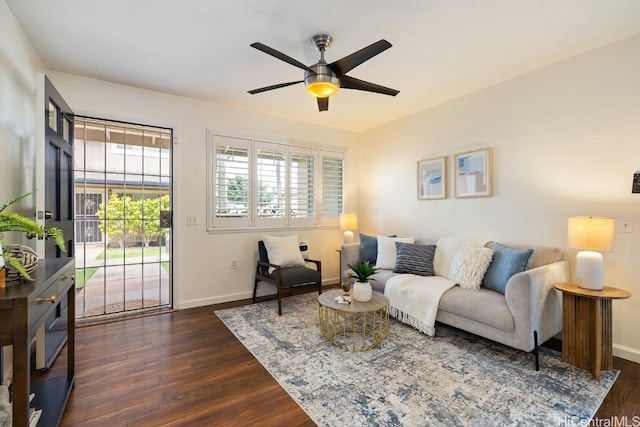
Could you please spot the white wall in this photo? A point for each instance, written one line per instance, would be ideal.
(202, 268)
(566, 142)
(18, 66)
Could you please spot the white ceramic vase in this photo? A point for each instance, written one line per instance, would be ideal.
(361, 291)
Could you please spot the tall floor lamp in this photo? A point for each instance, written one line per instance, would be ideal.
(348, 222)
(591, 235)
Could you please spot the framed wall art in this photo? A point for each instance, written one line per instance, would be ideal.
(432, 178)
(473, 173)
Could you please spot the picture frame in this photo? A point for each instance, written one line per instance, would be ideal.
(432, 178)
(474, 173)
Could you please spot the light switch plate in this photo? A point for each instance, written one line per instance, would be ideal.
(626, 225)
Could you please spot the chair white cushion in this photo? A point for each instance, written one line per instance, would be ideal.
(283, 251)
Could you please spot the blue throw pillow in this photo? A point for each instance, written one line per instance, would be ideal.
(506, 262)
(368, 248)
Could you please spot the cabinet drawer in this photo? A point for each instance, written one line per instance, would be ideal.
(48, 298)
(43, 303)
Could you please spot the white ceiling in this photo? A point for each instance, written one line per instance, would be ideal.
(200, 48)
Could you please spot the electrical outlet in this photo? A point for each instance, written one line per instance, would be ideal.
(626, 225)
(192, 220)
(234, 264)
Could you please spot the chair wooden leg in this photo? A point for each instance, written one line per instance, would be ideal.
(279, 301)
(255, 289)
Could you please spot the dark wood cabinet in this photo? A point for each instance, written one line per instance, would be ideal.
(24, 308)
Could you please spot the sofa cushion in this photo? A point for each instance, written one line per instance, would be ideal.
(506, 262)
(469, 265)
(379, 279)
(414, 259)
(484, 306)
(387, 250)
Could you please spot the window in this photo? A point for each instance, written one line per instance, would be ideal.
(332, 185)
(232, 187)
(264, 184)
(271, 184)
(302, 188)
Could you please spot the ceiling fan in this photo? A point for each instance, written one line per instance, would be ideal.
(323, 80)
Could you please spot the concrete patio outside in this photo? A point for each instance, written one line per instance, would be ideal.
(121, 284)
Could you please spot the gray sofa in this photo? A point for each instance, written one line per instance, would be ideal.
(529, 312)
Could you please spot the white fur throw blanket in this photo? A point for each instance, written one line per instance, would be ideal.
(414, 299)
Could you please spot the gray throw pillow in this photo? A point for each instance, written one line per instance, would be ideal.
(506, 262)
(414, 259)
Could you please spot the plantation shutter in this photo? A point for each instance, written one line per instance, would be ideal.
(302, 186)
(232, 181)
(271, 188)
(261, 184)
(332, 186)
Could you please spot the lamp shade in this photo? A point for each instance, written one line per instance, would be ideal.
(348, 221)
(591, 233)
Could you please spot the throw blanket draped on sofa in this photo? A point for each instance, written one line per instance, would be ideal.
(419, 298)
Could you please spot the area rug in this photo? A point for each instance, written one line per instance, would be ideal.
(453, 379)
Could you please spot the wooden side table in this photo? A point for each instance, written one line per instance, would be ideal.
(586, 326)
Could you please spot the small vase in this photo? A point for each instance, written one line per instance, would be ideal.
(361, 291)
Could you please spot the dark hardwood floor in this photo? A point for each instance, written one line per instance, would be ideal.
(179, 368)
(186, 368)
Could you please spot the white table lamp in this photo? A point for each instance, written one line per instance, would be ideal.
(591, 235)
(348, 222)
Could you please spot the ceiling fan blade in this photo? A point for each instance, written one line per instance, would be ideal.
(323, 104)
(347, 82)
(281, 56)
(278, 86)
(348, 63)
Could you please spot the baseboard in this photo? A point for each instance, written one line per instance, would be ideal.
(627, 353)
(326, 283)
(214, 300)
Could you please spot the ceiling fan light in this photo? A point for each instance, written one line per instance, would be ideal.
(321, 82)
(322, 89)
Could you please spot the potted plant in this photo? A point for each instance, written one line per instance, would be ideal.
(362, 288)
(16, 222)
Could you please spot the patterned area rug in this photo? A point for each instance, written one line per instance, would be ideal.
(411, 379)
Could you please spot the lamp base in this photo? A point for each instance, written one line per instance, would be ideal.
(348, 237)
(590, 270)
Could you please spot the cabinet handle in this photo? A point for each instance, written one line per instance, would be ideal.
(70, 276)
(52, 299)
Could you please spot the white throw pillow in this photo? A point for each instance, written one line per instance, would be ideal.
(469, 265)
(446, 249)
(387, 250)
(283, 251)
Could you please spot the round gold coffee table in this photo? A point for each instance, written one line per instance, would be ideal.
(359, 326)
